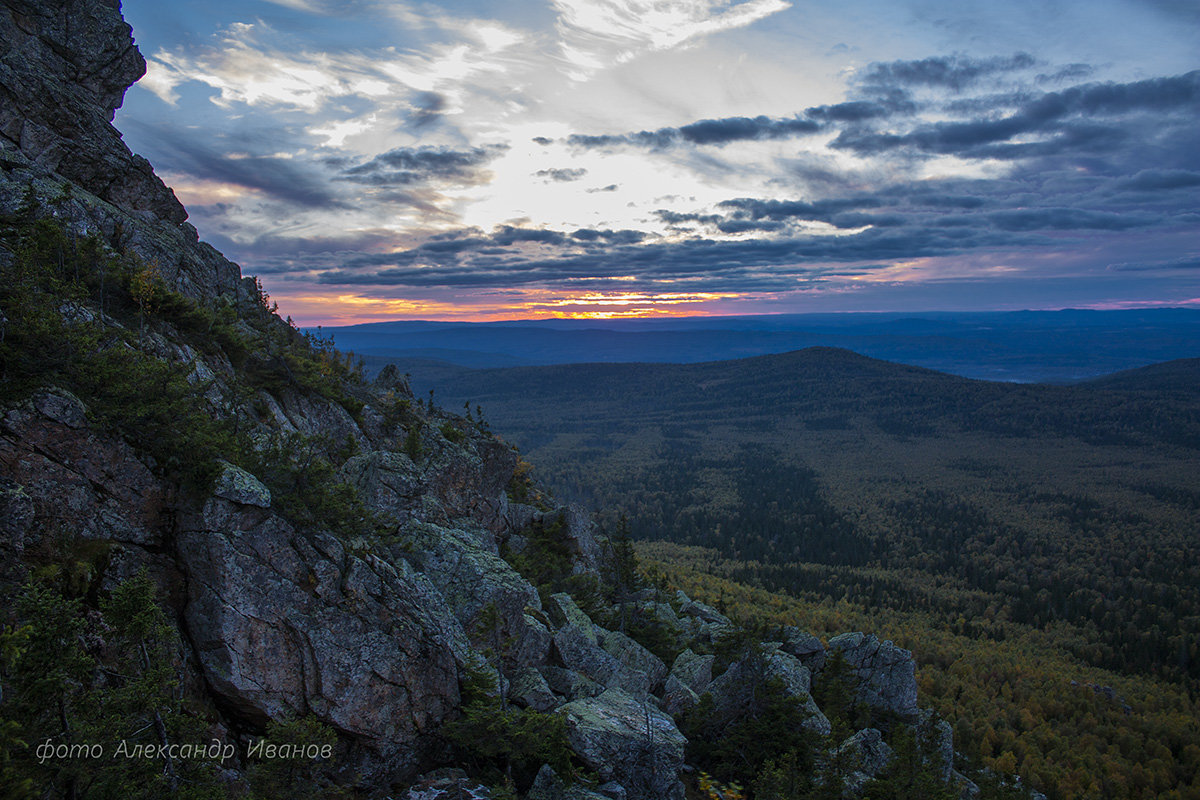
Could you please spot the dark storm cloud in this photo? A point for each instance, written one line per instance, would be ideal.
(733, 129)
(563, 175)
(886, 91)
(1069, 72)
(988, 103)
(955, 72)
(1089, 163)
(941, 201)
(407, 166)
(705, 132)
(820, 210)
(608, 236)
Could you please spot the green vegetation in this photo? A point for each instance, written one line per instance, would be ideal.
(79, 316)
(764, 745)
(299, 471)
(295, 762)
(75, 712)
(769, 728)
(504, 745)
(1018, 699)
(452, 433)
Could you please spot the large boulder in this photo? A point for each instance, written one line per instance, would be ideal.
(864, 756)
(447, 784)
(628, 741)
(285, 623)
(569, 683)
(886, 673)
(938, 739)
(549, 786)
(78, 480)
(733, 692)
(528, 688)
(701, 622)
(578, 650)
(693, 670)
(236, 484)
(677, 697)
(804, 646)
(447, 484)
(564, 611)
(579, 535)
(483, 591)
(634, 655)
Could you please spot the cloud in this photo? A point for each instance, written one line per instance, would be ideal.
(1065, 219)
(515, 256)
(246, 70)
(285, 179)
(1149, 180)
(1068, 72)
(595, 34)
(408, 166)
(561, 175)
(1068, 117)
(955, 72)
(255, 65)
(427, 108)
(1186, 264)
(861, 110)
(704, 132)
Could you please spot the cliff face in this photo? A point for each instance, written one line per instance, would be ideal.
(64, 69)
(347, 553)
(63, 75)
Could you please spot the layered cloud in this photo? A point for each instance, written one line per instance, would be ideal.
(459, 159)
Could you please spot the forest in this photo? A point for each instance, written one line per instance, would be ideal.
(1041, 534)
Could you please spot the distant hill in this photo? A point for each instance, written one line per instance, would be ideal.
(1179, 376)
(822, 388)
(1027, 346)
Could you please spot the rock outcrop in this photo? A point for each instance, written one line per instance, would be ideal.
(628, 741)
(866, 755)
(733, 691)
(63, 74)
(886, 673)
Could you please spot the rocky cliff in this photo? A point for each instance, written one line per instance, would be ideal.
(320, 550)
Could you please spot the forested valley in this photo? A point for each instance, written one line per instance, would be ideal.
(1024, 540)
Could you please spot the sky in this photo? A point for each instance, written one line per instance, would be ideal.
(374, 160)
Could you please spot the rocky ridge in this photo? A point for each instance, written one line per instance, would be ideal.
(442, 566)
